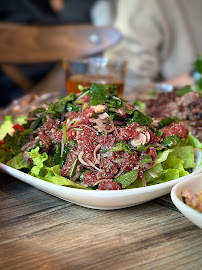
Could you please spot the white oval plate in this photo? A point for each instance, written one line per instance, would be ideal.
(98, 199)
(193, 183)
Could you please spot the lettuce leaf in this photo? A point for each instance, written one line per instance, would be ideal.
(136, 184)
(38, 160)
(153, 172)
(167, 167)
(5, 156)
(162, 156)
(18, 162)
(194, 142)
(53, 176)
(6, 127)
(175, 163)
(165, 176)
(197, 158)
(42, 171)
(186, 153)
(21, 120)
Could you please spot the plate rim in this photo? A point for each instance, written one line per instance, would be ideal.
(187, 211)
(7, 169)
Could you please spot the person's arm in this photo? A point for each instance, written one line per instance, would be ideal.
(142, 36)
(102, 13)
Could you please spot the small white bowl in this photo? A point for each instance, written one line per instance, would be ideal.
(195, 184)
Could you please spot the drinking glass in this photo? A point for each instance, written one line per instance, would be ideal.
(94, 70)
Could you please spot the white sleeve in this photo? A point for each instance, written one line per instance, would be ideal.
(102, 13)
(142, 38)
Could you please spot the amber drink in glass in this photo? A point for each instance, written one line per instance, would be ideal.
(98, 70)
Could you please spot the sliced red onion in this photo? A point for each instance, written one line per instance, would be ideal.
(95, 153)
(80, 158)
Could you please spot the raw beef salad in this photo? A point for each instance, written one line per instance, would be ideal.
(96, 140)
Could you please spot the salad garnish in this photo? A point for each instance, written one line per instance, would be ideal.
(96, 140)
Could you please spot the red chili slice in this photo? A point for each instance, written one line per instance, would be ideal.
(18, 127)
(1, 144)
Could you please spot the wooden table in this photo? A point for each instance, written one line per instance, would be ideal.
(39, 231)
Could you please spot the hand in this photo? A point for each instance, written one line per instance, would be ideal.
(57, 5)
(181, 80)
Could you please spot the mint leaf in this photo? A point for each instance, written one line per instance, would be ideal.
(126, 179)
(122, 146)
(58, 160)
(100, 93)
(72, 143)
(140, 118)
(72, 107)
(167, 121)
(171, 141)
(198, 65)
(183, 91)
(114, 103)
(61, 104)
(156, 131)
(146, 159)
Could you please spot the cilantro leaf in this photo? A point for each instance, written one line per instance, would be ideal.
(104, 149)
(38, 111)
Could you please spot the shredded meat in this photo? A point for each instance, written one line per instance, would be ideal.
(188, 109)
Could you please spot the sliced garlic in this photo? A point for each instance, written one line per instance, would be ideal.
(99, 108)
(148, 136)
(142, 139)
(140, 129)
(156, 121)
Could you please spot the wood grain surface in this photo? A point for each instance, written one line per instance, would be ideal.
(39, 231)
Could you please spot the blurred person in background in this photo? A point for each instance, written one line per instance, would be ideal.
(48, 12)
(160, 40)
